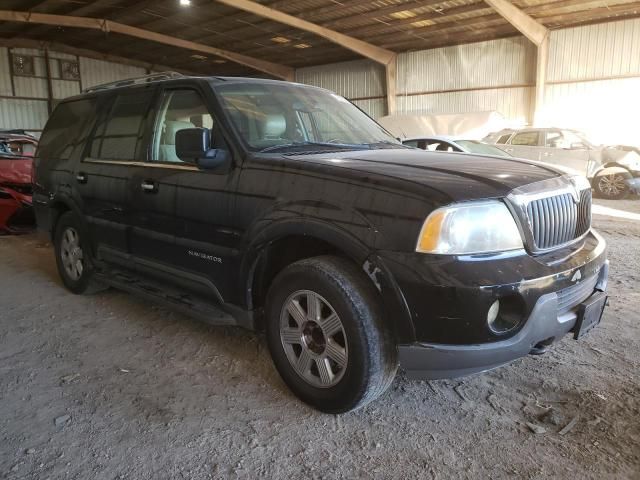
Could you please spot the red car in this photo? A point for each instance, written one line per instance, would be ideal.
(16, 211)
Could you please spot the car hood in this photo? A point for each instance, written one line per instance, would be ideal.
(15, 170)
(455, 177)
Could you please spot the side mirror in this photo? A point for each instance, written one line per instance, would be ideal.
(193, 145)
(578, 146)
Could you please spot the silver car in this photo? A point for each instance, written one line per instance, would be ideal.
(442, 143)
(613, 172)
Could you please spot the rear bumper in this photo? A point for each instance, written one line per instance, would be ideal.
(545, 326)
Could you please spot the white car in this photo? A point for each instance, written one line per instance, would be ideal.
(452, 144)
(614, 172)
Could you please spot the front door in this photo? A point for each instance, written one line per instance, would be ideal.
(566, 151)
(181, 214)
(525, 144)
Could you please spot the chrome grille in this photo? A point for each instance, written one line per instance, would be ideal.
(557, 220)
(570, 297)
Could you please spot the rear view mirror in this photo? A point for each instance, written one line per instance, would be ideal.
(193, 145)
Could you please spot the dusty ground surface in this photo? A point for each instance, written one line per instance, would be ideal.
(108, 387)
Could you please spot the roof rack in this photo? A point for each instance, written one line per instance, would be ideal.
(154, 77)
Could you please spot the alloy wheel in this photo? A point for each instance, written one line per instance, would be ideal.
(71, 253)
(612, 185)
(313, 339)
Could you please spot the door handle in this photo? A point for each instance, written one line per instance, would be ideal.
(508, 150)
(149, 186)
(81, 177)
(547, 154)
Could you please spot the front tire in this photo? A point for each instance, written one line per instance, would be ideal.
(72, 256)
(326, 334)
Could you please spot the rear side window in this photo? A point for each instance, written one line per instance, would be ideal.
(504, 139)
(119, 137)
(67, 129)
(529, 139)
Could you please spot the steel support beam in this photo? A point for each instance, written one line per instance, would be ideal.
(277, 70)
(380, 55)
(536, 33)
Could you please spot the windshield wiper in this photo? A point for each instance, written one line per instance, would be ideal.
(312, 144)
(387, 144)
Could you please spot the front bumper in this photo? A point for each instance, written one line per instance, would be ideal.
(448, 298)
(546, 324)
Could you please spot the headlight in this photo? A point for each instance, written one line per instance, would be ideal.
(479, 227)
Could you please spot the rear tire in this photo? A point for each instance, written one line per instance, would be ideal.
(73, 257)
(612, 187)
(327, 337)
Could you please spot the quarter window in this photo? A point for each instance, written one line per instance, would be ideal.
(179, 109)
(529, 139)
(121, 135)
(67, 129)
(504, 139)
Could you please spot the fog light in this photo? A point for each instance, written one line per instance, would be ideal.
(493, 313)
(505, 314)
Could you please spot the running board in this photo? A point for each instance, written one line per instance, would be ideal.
(167, 295)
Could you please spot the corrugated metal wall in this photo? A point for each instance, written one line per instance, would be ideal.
(594, 81)
(24, 100)
(496, 75)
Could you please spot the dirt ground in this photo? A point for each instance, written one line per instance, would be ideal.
(111, 387)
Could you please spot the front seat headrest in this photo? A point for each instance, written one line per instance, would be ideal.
(275, 125)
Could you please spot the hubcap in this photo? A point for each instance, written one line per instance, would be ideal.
(612, 185)
(71, 253)
(313, 339)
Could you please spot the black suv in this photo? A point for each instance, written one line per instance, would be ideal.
(283, 208)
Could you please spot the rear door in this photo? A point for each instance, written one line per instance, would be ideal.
(103, 177)
(525, 144)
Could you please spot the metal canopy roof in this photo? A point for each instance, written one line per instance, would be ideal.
(396, 25)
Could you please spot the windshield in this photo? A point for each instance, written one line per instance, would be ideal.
(272, 117)
(472, 146)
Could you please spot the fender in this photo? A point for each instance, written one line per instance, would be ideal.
(45, 207)
(298, 226)
(612, 169)
(397, 311)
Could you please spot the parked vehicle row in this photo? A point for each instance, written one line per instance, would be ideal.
(283, 208)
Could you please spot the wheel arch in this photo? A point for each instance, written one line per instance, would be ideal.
(289, 242)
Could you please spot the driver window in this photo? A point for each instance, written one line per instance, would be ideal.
(554, 139)
(179, 109)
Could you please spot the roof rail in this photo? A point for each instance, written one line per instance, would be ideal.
(154, 77)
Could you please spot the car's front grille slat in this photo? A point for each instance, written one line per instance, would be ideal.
(557, 220)
(572, 296)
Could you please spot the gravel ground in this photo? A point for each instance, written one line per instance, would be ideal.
(109, 386)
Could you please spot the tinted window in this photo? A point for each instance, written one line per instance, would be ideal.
(411, 143)
(179, 109)
(526, 138)
(67, 129)
(119, 137)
